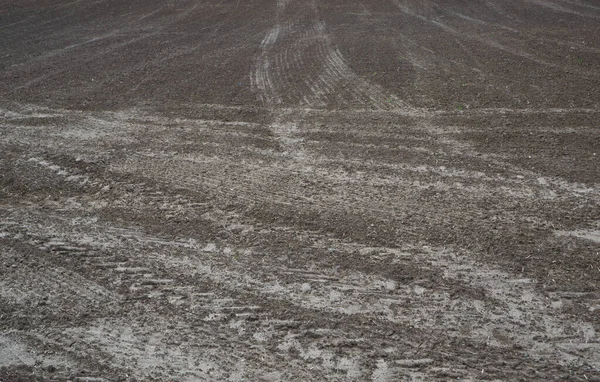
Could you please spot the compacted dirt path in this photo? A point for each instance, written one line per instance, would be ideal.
(299, 190)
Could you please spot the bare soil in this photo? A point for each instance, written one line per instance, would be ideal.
(299, 190)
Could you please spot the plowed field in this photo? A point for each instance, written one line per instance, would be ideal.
(299, 190)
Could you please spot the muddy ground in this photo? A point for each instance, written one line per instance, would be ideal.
(299, 190)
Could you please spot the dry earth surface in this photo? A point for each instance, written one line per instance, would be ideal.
(299, 190)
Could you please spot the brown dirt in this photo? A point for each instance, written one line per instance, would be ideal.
(299, 190)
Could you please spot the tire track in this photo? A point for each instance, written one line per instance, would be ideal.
(340, 293)
(316, 63)
(245, 291)
(350, 293)
(223, 320)
(133, 346)
(254, 177)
